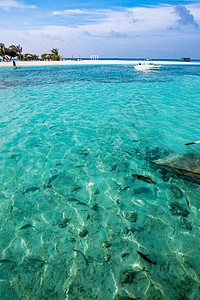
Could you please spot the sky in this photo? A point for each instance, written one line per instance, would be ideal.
(107, 28)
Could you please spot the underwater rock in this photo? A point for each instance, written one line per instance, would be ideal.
(177, 210)
(142, 190)
(176, 191)
(83, 233)
(184, 223)
(184, 166)
(127, 276)
(151, 153)
(131, 216)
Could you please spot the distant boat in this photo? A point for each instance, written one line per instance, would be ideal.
(147, 66)
(185, 58)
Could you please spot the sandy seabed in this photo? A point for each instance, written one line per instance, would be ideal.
(90, 62)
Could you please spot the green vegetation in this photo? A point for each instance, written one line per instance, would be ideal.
(16, 51)
(52, 56)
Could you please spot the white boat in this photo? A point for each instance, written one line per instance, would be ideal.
(146, 66)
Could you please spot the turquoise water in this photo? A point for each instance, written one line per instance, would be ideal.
(72, 215)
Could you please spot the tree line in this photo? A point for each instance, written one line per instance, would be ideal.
(8, 53)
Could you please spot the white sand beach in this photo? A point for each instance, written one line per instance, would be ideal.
(91, 62)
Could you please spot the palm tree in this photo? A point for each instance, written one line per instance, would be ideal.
(2, 50)
(54, 51)
(17, 49)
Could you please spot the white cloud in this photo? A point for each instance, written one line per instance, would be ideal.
(129, 31)
(6, 4)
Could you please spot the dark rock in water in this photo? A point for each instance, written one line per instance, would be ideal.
(184, 166)
(176, 191)
(177, 210)
(151, 153)
(127, 276)
(83, 233)
(142, 190)
(184, 223)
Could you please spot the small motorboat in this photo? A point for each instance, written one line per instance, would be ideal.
(146, 66)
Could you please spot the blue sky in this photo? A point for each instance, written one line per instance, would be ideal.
(107, 28)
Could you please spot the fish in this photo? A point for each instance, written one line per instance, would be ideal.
(188, 203)
(86, 260)
(76, 188)
(52, 178)
(114, 167)
(176, 191)
(5, 260)
(34, 260)
(139, 229)
(121, 190)
(125, 298)
(26, 226)
(31, 189)
(146, 258)
(76, 200)
(144, 178)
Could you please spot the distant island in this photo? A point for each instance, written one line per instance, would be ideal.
(15, 51)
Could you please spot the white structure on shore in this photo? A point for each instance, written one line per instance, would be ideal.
(94, 57)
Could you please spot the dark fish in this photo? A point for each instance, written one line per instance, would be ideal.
(176, 191)
(31, 189)
(34, 260)
(142, 190)
(26, 226)
(76, 188)
(188, 203)
(125, 298)
(52, 178)
(121, 190)
(87, 263)
(134, 230)
(5, 260)
(146, 258)
(76, 200)
(114, 167)
(144, 178)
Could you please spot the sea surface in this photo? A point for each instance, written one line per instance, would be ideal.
(72, 215)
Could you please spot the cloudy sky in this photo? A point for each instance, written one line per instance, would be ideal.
(108, 28)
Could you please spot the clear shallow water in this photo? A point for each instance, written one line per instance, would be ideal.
(71, 138)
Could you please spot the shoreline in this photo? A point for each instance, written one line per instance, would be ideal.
(91, 62)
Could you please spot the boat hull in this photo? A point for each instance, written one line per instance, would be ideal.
(147, 67)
